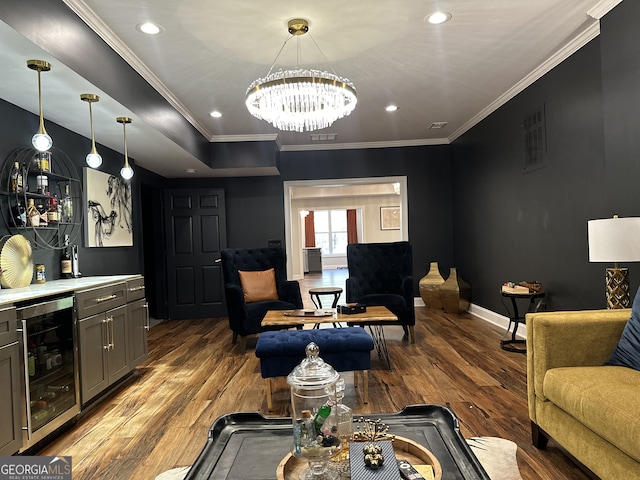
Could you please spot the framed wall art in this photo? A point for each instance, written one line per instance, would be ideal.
(108, 213)
(389, 218)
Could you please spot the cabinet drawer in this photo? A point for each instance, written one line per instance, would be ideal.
(8, 333)
(97, 300)
(135, 289)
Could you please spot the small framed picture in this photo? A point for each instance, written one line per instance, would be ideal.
(389, 218)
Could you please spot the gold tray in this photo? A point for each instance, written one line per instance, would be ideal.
(290, 467)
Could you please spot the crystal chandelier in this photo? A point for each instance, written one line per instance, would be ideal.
(300, 99)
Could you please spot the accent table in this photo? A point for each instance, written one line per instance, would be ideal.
(516, 319)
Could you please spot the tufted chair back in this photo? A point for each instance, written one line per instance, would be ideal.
(382, 274)
(246, 318)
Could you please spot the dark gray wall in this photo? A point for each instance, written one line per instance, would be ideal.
(509, 225)
(255, 205)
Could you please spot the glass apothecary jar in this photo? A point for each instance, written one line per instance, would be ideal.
(315, 430)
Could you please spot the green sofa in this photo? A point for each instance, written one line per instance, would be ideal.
(592, 411)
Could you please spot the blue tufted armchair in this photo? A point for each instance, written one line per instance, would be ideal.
(245, 318)
(381, 274)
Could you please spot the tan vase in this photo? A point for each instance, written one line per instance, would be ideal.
(455, 294)
(429, 287)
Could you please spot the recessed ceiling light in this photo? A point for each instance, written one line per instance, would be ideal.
(438, 17)
(149, 28)
(216, 114)
(391, 108)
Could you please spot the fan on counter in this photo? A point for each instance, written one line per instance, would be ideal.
(16, 262)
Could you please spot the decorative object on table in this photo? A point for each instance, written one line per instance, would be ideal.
(352, 309)
(371, 431)
(16, 262)
(300, 99)
(615, 240)
(390, 218)
(315, 439)
(455, 293)
(306, 312)
(41, 140)
(512, 287)
(109, 221)
(430, 287)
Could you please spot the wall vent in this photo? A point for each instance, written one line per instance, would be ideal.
(323, 137)
(535, 141)
(437, 125)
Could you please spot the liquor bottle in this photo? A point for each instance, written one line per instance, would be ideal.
(19, 213)
(16, 185)
(42, 207)
(52, 213)
(33, 215)
(65, 261)
(42, 184)
(67, 206)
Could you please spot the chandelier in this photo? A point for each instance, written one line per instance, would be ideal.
(300, 100)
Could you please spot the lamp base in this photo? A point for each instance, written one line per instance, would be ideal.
(618, 288)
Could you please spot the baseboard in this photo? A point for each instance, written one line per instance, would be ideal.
(486, 315)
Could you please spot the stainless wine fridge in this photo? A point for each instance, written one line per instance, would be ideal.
(50, 367)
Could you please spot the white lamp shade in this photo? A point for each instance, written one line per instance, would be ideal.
(614, 240)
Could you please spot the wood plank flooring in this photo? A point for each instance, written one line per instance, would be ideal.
(193, 375)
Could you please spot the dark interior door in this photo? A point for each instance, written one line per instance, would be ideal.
(196, 233)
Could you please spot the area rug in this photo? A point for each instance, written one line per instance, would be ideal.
(497, 456)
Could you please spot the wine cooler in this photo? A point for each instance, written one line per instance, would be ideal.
(50, 367)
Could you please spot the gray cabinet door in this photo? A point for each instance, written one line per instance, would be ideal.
(137, 313)
(94, 373)
(10, 410)
(118, 353)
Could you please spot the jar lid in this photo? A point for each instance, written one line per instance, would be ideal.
(312, 372)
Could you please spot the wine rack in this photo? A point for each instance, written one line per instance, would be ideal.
(61, 172)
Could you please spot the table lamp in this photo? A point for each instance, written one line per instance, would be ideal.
(615, 240)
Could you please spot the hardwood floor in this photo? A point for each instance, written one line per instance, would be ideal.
(193, 375)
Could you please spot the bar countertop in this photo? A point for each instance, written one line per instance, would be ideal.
(10, 296)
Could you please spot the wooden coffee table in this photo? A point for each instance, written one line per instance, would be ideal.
(373, 318)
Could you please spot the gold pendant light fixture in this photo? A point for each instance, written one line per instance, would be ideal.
(41, 140)
(94, 159)
(126, 172)
(300, 99)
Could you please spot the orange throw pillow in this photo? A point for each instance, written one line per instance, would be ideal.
(258, 286)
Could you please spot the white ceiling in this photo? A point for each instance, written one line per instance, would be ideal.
(211, 50)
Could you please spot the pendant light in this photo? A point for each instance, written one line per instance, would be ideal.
(94, 159)
(41, 140)
(126, 172)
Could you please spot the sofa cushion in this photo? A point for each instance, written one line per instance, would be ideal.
(258, 286)
(603, 398)
(627, 352)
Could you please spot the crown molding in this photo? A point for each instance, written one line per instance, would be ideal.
(584, 37)
(365, 145)
(602, 8)
(94, 22)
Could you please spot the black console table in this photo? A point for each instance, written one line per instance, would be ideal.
(515, 319)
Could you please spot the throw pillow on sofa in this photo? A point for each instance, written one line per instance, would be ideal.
(627, 352)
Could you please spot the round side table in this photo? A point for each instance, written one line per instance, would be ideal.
(317, 292)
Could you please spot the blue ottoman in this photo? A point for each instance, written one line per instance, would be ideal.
(345, 349)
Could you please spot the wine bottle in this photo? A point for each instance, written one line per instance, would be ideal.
(67, 206)
(16, 185)
(33, 215)
(65, 261)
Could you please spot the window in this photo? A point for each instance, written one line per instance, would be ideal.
(331, 231)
